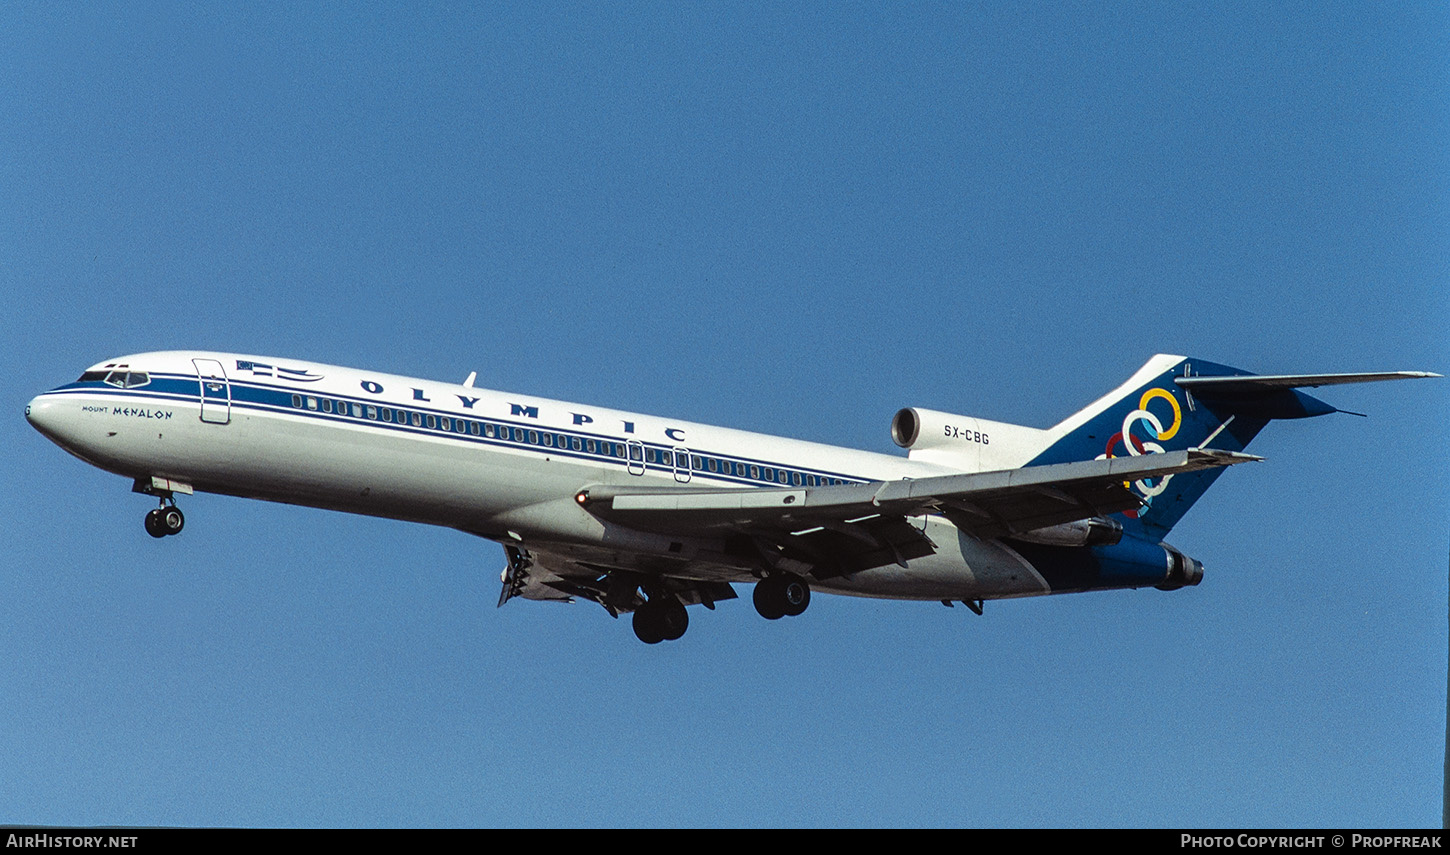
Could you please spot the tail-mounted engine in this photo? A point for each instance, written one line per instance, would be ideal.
(1182, 571)
(962, 442)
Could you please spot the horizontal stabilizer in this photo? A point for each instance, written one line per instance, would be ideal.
(1263, 383)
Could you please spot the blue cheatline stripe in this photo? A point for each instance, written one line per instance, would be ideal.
(183, 388)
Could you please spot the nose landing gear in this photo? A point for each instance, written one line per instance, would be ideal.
(164, 520)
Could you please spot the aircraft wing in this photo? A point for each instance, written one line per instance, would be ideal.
(843, 529)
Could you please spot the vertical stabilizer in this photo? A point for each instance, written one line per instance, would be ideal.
(1151, 413)
(1174, 403)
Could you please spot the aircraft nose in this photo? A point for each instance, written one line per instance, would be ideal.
(43, 415)
(34, 411)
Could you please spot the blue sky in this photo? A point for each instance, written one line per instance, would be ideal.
(793, 219)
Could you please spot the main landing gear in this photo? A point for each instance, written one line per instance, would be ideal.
(663, 618)
(164, 520)
(781, 595)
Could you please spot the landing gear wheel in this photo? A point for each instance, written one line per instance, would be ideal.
(660, 619)
(646, 628)
(164, 520)
(674, 618)
(796, 595)
(767, 600)
(172, 520)
(778, 596)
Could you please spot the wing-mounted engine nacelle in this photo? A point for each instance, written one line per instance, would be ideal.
(1095, 531)
(1182, 571)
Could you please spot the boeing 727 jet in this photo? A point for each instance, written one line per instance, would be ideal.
(648, 516)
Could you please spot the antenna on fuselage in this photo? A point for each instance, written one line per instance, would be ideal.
(472, 375)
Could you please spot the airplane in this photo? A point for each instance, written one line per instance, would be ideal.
(647, 516)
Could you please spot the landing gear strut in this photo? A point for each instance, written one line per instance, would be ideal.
(663, 618)
(781, 595)
(164, 520)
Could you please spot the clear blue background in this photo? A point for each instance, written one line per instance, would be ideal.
(787, 218)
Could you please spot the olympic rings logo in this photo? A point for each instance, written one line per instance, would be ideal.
(1146, 422)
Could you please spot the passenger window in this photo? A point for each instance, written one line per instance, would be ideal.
(372, 412)
(311, 403)
(488, 430)
(755, 472)
(327, 405)
(297, 401)
(533, 437)
(432, 421)
(444, 422)
(417, 419)
(473, 428)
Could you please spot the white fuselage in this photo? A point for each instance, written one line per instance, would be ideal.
(499, 465)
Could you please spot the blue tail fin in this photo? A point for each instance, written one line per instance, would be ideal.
(1161, 408)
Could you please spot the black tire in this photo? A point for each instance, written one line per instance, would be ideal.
(647, 626)
(795, 595)
(768, 600)
(171, 519)
(673, 619)
(153, 523)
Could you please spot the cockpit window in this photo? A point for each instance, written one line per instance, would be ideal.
(126, 379)
(92, 376)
